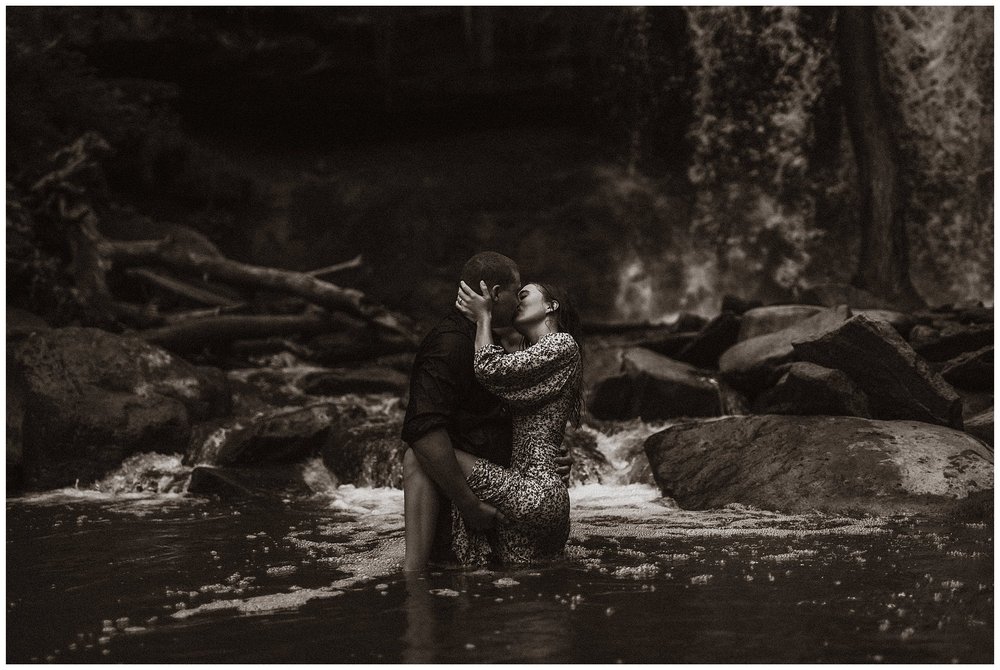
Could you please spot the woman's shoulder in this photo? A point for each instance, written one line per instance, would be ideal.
(560, 340)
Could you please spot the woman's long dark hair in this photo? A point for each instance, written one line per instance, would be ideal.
(568, 321)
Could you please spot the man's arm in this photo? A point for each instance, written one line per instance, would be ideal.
(436, 455)
(436, 389)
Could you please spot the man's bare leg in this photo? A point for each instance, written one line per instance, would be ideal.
(420, 512)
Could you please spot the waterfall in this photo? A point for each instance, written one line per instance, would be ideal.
(763, 74)
(938, 67)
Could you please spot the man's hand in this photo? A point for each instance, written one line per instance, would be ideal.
(563, 464)
(483, 516)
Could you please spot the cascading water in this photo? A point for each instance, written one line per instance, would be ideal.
(133, 570)
(762, 76)
(938, 66)
(772, 205)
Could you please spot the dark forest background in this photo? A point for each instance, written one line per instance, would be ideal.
(652, 159)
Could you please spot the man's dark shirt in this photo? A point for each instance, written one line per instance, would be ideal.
(444, 393)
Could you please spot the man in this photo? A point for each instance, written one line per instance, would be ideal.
(448, 409)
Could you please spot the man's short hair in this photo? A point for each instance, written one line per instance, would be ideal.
(491, 267)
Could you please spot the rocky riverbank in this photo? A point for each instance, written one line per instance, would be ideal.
(826, 407)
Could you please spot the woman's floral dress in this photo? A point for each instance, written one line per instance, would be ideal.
(541, 385)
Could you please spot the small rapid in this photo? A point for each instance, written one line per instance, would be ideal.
(136, 569)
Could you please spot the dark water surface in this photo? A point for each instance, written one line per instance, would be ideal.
(95, 577)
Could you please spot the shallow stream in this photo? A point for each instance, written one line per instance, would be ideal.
(103, 576)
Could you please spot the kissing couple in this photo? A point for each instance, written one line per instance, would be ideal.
(491, 390)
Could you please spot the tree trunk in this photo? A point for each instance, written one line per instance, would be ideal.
(883, 268)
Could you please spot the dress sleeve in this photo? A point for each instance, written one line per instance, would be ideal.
(533, 375)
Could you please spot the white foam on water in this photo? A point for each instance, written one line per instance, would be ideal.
(144, 479)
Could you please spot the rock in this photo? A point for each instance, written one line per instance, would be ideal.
(718, 335)
(276, 435)
(274, 386)
(831, 295)
(15, 437)
(806, 388)
(978, 314)
(369, 379)
(840, 465)
(748, 364)
(369, 454)
(899, 384)
(669, 344)
(655, 387)
(972, 370)
(922, 334)
(773, 318)
(955, 340)
(974, 402)
(737, 305)
(901, 321)
(241, 483)
(20, 324)
(688, 321)
(92, 398)
(599, 364)
(981, 426)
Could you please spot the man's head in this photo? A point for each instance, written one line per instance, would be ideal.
(503, 279)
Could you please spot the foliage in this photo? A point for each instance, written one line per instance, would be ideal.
(54, 95)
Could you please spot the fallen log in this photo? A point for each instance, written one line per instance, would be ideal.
(194, 314)
(317, 291)
(195, 334)
(181, 288)
(338, 267)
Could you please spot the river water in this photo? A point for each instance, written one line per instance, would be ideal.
(164, 576)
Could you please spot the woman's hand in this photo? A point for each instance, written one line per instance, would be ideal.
(474, 305)
(483, 516)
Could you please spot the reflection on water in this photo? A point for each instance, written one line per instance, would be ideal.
(175, 578)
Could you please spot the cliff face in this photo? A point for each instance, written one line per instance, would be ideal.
(653, 159)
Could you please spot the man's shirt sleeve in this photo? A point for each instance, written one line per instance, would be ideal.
(439, 381)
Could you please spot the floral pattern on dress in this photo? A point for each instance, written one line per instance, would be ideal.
(540, 383)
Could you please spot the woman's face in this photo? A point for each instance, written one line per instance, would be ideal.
(532, 306)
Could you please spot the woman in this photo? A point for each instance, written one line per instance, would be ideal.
(542, 384)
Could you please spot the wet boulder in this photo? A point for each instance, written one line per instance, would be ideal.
(922, 334)
(718, 335)
(369, 453)
(981, 425)
(843, 465)
(807, 388)
(972, 370)
(653, 387)
(21, 324)
(239, 483)
(750, 363)
(738, 305)
(669, 344)
(273, 435)
(954, 340)
(15, 438)
(773, 318)
(901, 321)
(898, 383)
(91, 399)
